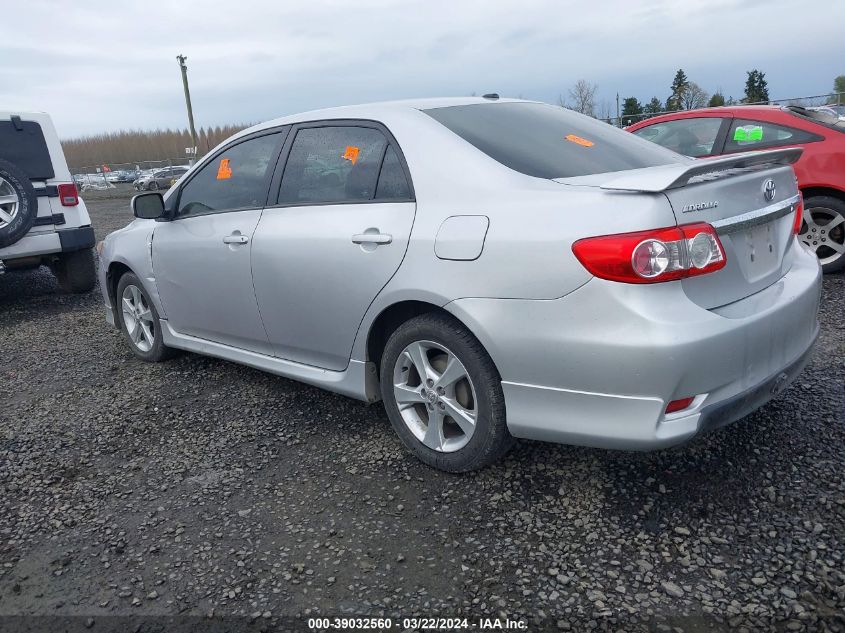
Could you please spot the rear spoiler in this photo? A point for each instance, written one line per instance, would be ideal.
(655, 179)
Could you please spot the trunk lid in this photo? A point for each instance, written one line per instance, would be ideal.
(750, 199)
(755, 230)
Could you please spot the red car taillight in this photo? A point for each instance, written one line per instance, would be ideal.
(68, 195)
(653, 256)
(799, 216)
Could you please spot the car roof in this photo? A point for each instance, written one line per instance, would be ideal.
(741, 110)
(378, 110)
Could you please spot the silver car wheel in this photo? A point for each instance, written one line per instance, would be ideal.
(824, 233)
(9, 203)
(138, 318)
(435, 396)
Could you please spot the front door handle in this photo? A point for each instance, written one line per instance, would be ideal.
(235, 238)
(372, 238)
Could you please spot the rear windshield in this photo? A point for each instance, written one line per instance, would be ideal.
(548, 141)
(26, 148)
(827, 117)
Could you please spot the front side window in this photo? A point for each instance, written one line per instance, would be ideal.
(693, 137)
(237, 178)
(746, 135)
(547, 141)
(333, 165)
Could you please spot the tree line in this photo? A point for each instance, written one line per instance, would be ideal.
(135, 146)
(684, 94)
(688, 95)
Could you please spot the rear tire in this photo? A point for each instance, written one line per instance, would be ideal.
(138, 320)
(826, 241)
(76, 271)
(461, 383)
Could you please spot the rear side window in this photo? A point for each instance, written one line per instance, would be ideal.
(746, 135)
(237, 178)
(690, 137)
(547, 141)
(392, 183)
(26, 148)
(333, 164)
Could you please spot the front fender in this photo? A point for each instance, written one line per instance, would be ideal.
(130, 247)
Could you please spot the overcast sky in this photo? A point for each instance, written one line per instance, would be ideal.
(103, 66)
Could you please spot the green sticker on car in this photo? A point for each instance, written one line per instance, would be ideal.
(748, 134)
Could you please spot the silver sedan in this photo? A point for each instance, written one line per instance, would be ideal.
(489, 268)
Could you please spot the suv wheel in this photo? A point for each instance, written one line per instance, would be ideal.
(18, 204)
(443, 395)
(139, 320)
(153, 186)
(76, 271)
(823, 231)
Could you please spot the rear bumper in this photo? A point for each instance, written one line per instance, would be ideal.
(598, 366)
(51, 242)
(731, 409)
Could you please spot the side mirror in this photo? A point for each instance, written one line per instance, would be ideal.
(148, 206)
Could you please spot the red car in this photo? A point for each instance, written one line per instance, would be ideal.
(820, 170)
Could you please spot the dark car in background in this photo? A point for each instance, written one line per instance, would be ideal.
(733, 129)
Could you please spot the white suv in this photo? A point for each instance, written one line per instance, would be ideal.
(42, 218)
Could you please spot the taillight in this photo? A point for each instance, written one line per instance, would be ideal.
(68, 195)
(798, 222)
(653, 256)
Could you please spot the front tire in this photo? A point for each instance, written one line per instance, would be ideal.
(76, 271)
(139, 320)
(443, 395)
(823, 231)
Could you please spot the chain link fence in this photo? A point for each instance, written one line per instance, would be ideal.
(812, 101)
(106, 176)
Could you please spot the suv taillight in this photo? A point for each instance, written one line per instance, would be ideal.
(654, 256)
(798, 222)
(68, 195)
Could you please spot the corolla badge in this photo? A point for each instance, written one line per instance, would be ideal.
(700, 206)
(769, 190)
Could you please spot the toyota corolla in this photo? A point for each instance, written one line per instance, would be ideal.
(490, 269)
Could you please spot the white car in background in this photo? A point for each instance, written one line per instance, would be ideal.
(42, 218)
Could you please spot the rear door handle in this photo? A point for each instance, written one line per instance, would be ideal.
(372, 238)
(235, 238)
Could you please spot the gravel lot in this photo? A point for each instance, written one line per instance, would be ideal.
(198, 487)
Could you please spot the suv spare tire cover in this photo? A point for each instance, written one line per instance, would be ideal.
(18, 203)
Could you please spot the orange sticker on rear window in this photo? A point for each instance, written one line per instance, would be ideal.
(578, 140)
(351, 153)
(224, 172)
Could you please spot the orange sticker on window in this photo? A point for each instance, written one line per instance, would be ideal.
(351, 153)
(224, 172)
(579, 141)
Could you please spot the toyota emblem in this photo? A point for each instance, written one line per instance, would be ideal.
(769, 190)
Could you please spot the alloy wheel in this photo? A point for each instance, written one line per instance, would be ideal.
(9, 202)
(435, 396)
(138, 318)
(823, 232)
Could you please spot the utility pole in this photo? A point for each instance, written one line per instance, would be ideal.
(618, 114)
(181, 59)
